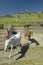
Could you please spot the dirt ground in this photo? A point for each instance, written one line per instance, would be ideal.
(37, 39)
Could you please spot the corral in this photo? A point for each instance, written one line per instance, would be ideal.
(37, 39)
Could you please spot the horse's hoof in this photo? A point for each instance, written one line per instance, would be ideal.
(9, 56)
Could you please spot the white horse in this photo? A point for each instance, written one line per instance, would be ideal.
(13, 41)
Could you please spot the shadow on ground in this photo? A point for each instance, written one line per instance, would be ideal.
(23, 50)
(34, 41)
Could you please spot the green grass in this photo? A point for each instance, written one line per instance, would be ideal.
(23, 18)
(33, 56)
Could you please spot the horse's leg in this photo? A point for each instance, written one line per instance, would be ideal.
(25, 36)
(29, 39)
(11, 51)
(18, 48)
(31, 35)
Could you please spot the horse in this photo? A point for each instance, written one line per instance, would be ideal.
(9, 33)
(13, 41)
(28, 33)
(27, 26)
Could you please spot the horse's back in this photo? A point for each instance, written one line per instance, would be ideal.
(27, 33)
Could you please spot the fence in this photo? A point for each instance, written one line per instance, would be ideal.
(1, 26)
(2, 39)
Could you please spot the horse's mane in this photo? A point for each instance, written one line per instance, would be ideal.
(14, 36)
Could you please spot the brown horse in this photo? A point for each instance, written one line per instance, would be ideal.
(27, 26)
(28, 33)
(7, 34)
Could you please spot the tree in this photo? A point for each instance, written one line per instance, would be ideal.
(9, 16)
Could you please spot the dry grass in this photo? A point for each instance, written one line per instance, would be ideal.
(33, 56)
(30, 54)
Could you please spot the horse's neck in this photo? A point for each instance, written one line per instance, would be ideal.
(16, 36)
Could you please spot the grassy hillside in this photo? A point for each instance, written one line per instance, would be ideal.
(21, 18)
